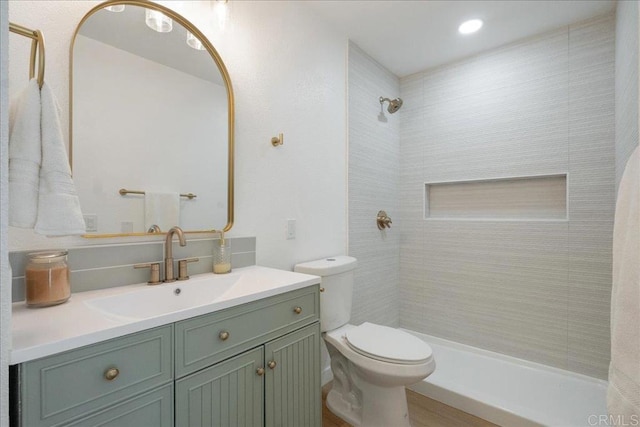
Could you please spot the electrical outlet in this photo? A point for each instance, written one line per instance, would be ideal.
(291, 229)
(91, 222)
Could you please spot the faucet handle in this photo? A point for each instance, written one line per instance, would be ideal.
(182, 267)
(155, 272)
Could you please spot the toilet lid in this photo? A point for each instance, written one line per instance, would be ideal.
(387, 344)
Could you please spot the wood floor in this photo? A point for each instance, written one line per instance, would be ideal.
(423, 412)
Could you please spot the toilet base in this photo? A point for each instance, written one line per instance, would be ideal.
(363, 394)
(381, 407)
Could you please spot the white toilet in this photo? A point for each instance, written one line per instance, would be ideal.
(371, 364)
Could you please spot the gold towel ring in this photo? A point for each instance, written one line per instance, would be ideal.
(39, 43)
(37, 46)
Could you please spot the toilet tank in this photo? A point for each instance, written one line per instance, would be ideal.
(337, 281)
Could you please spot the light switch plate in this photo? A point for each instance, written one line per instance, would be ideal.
(291, 229)
(91, 222)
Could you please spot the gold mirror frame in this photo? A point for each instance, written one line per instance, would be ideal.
(223, 71)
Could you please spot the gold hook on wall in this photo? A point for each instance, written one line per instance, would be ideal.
(37, 46)
(277, 140)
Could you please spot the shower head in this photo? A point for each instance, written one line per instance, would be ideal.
(394, 104)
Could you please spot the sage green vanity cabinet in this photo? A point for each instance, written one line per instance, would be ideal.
(154, 408)
(205, 340)
(273, 376)
(255, 364)
(293, 386)
(277, 384)
(58, 389)
(230, 393)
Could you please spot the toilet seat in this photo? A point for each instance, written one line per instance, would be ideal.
(387, 344)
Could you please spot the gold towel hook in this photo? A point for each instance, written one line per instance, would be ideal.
(277, 140)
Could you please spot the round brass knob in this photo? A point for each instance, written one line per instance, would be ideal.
(272, 364)
(224, 335)
(260, 372)
(321, 289)
(111, 374)
(297, 310)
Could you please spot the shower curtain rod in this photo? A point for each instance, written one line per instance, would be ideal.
(37, 46)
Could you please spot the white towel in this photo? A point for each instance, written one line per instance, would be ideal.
(161, 209)
(24, 159)
(59, 211)
(623, 394)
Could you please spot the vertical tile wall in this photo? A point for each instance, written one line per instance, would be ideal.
(374, 150)
(627, 97)
(538, 290)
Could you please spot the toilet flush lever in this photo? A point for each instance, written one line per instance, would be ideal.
(383, 220)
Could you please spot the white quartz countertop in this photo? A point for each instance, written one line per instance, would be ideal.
(40, 332)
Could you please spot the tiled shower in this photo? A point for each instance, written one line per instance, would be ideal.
(533, 282)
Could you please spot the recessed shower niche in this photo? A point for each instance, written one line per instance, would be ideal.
(516, 198)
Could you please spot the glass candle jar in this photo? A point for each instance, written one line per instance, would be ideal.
(47, 278)
(222, 257)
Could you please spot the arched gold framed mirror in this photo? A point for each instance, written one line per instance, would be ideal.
(151, 123)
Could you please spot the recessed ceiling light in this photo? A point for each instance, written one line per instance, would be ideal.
(470, 26)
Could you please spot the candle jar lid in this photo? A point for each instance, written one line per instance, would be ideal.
(48, 257)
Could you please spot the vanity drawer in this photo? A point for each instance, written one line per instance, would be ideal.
(208, 339)
(153, 408)
(77, 382)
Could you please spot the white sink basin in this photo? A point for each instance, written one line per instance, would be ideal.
(165, 298)
(95, 316)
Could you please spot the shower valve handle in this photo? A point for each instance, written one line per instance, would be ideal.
(383, 220)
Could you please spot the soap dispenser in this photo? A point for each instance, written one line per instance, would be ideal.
(221, 256)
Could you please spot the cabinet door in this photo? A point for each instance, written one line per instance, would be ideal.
(292, 385)
(229, 394)
(154, 408)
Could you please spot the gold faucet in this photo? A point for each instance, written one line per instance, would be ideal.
(168, 252)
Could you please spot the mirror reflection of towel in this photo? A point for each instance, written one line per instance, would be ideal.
(161, 209)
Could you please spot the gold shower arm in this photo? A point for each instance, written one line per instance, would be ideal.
(37, 46)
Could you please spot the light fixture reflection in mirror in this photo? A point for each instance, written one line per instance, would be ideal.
(115, 8)
(193, 42)
(158, 21)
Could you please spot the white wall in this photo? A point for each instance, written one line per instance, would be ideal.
(538, 290)
(172, 138)
(288, 71)
(5, 268)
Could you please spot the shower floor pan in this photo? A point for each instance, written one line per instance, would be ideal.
(509, 391)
